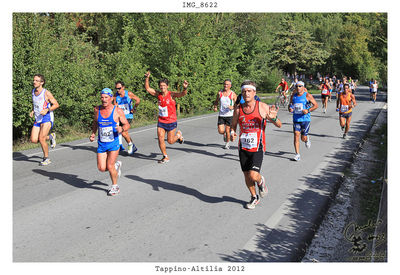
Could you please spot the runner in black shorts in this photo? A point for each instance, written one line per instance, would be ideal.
(251, 117)
(226, 101)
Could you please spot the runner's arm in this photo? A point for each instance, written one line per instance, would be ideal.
(234, 98)
(54, 104)
(184, 91)
(290, 103)
(235, 119)
(121, 117)
(270, 113)
(353, 99)
(147, 85)
(94, 124)
(216, 103)
(136, 99)
(313, 101)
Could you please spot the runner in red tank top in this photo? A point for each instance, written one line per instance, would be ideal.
(252, 129)
(167, 120)
(251, 117)
(347, 102)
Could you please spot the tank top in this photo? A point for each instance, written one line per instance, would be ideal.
(345, 103)
(375, 87)
(39, 104)
(325, 89)
(125, 103)
(225, 102)
(299, 104)
(107, 128)
(166, 108)
(252, 130)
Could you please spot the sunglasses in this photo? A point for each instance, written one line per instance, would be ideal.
(298, 86)
(118, 88)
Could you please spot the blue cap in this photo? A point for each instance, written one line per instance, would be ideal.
(107, 91)
(300, 83)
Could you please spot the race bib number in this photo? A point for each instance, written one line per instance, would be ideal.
(344, 108)
(125, 108)
(298, 108)
(248, 140)
(324, 92)
(162, 111)
(106, 134)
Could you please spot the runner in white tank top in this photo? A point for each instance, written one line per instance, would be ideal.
(226, 99)
(44, 104)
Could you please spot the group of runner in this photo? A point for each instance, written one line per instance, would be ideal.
(113, 117)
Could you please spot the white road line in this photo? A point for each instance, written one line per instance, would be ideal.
(136, 132)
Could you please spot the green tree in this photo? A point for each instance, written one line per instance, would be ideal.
(295, 50)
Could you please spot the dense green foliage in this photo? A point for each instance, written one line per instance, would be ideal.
(79, 54)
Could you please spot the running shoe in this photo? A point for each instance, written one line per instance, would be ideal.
(342, 128)
(118, 165)
(134, 149)
(253, 202)
(296, 157)
(227, 146)
(262, 188)
(344, 136)
(180, 137)
(308, 143)
(45, 161)
(130, 148)
(164, 159)
(52, 138)
(114, 190)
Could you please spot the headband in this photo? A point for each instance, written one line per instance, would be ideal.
(107, 91)
(248, 87)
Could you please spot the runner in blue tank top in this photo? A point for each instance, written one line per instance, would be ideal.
(106, 120)
(124, 100)
(44, 104)
(300, 106)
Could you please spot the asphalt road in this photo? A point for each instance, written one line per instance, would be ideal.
(188, 210)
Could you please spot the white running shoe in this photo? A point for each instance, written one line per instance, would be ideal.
(180, 137)
(118, 165)
(130, 148)
(262, 188)
(253, 202)
(296, 157)
(114, 190)
(308, 143)
(164, 159)
(45, 161)
(52, 138)
(227, 146)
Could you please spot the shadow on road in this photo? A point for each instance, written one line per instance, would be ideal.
(310, 134)
(79, 147)
(306, 207)
(18, 156)
(204, 152)
(157, 184)
(71, 180)
(279, 154)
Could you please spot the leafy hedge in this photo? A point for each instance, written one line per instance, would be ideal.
(81, 53)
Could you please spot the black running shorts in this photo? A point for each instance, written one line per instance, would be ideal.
(227, 120)
(251, 160)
